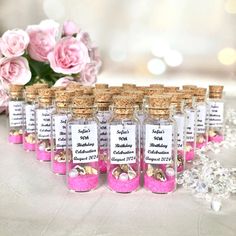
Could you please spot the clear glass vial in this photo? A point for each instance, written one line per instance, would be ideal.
(160, 150)
(124, 153)
(82, 146)
(60, 117)
(29, 136)
(15, 108)
(215, 105)
(179, 116)
(103, 113)
(201, 122)
(43, 112)
(190, 110)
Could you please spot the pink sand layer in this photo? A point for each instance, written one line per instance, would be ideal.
(216, 139)
(28, 146)
(42, 155)
(201, 145)
(16, 139)
(102, 166)
(82, 183)
(101, 163)
(122, 186)
(156, 186)
(59, 167)
(189, 155)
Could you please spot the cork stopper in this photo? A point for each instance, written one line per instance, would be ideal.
(123, 102)
(156, 86)
(88, 90)
(215, 91)
(137, 96)
(154, 91)
(73, 85)
(115, 90)
(200, 94)
(188, 97)
(15, 88)
(42, 85)
(128, 86)
(160, 101)
(64, 95)
(58, 88)
(83, 101)
(171, 89)
(101, 86)
(31, 93)
(103, 96)
(45, 92)
(189, 87)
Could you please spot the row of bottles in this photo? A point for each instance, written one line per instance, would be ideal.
(85, 131)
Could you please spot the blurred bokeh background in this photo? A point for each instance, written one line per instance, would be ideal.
(147, 41)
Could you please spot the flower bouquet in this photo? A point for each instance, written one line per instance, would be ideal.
(42, 54)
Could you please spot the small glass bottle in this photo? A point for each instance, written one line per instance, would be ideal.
(160, 150)
(180, 118)
(201, 127)
(103, 114)
(15, 108)
(29, 137)
(60, 117)
(215, 105)
(190, 110)
(43, 112)
(124, 137)
(82, 149)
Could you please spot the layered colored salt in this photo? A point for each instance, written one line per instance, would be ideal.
(157, 186)
(180, 167)
(15, 139)
(201, 145)
(102, 163)
(82, 183)
(42, 155)
(189, 155)
(123, 186)
(216, 139)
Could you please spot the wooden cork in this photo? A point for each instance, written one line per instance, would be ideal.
(171, 89)
(156, 85)
(42, 85)
(103, 96)
(16, 88)
(101, 86)
(83, 101)
(123, 102)
(154, 91)
(45, 92)
(64, 95)
(161, 101)
(216, 88)
(189, 87)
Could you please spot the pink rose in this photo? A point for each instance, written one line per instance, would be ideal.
(95, 57)
(3, 99)
(14, 42)
(14, 71)
(42, 39)
(64, 81)
(69, 56)
(89, 75)
(69, 28)
(84, 37)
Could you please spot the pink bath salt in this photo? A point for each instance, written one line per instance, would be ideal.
(82, 183)
(180, 168)
(201, 145)
(216, 139)
(15, 139)
(156, 186)
(123, 186)
(59, 167)
(29, 146)
(189, 156)
(102, 166)
(43, 155)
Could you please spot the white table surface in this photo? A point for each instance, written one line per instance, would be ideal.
(34, 201)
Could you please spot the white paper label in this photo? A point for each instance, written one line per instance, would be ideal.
(60, 130)
(158, 144)
(123, 144)
(201, 119)
(190, 126)
(103, 120)
(43, 123)
(180, 121)
(84, 143)
(15, 113)
(30, 118)
(216, 114)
